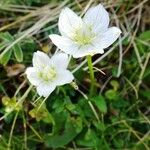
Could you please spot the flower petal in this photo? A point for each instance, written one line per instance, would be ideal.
(83, 51)
(87, 50)
(40, 59)
(64, 77)
(65, 44)
(32, 75)
(109, 37)
(68, 21)
(60, 60)
(45, 89)
(97, 17)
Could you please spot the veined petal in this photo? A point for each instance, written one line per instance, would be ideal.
(109, 37)
(45, 89)
(97, 17)
(60, 60)
(88, 50)
(32, 75)
(68, 22)
(64, 77)
(40, 59)
(65, 44)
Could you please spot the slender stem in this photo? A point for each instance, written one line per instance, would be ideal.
(89, 60)
(35, 132)
(25, 130)
(25, 95)
(42, 103)
(89, 102)
(90, 66)
(93, 110)
(12, 129)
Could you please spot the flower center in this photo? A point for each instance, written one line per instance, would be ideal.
(84, 36)
(48, 74)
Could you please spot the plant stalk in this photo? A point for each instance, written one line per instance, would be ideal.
(90, 66)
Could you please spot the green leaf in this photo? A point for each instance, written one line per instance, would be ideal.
(6, 36)
(111, 94)
(114, 84)
(100, 103)
(145, 94)
(72, 128)
(5, 58)
(84, 109)
(99, 125)
(59, 120)
(88, 139)
(18, 52)
(145, 35)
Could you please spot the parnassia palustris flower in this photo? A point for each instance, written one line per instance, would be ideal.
(85, 36)
(47, 73)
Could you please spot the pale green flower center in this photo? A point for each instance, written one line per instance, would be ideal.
(83, 36)
(48, 74)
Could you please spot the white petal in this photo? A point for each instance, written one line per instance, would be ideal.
(68, 22)
(40, 59)
(64, 77)
(83, 51)
(88, 50)
(32, 75)
(65, 44)
(60, 60)
(98, 18)
(109, 37)
(45, 89)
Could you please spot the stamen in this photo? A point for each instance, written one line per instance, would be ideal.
(83, 36)
(48, 74)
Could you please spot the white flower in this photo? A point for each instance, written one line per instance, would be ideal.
(87, 36)
(48, 73)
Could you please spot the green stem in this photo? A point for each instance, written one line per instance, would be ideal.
(90, 66)
(35, 132)
(11, 132)
(25, 130)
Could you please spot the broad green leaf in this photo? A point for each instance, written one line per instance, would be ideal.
(5, 58)
(88, 139)
(83, 109)
(145, 35)
(18, 52)
(100, 103)
(6, 36)
(99, 125)
(59, 121)
(72, 128)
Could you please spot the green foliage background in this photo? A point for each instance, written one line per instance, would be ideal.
(65, 121)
